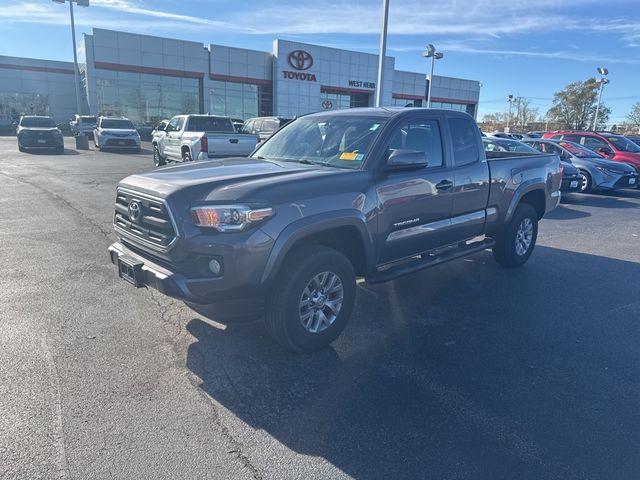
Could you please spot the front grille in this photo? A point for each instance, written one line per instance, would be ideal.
(124, 142)
(153, 225)
(31, 139)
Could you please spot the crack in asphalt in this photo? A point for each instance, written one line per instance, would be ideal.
(60, 199)
(235, 447)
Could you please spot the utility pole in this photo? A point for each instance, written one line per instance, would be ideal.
(518, 99)
(383, 52)
(82, 143)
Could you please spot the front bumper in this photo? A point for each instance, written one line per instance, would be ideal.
(570, 184)
(216, 295)
(613, 181)
(119, 142)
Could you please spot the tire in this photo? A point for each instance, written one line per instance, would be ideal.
(20, 148)
(157, 158)
(286, 310)
(586, 183)
(186, 156)
(517, 239)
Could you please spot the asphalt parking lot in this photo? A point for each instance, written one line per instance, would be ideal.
(465, 371)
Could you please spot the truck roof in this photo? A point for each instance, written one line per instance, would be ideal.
(389, 111)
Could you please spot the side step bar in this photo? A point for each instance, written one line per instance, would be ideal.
(429, 260)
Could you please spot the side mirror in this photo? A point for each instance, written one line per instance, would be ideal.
(606, 152)
(402, 159)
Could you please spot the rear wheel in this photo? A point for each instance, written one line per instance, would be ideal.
(158, 160)
(20, 148)
(586, 183)
(313, 299)
(515, 243)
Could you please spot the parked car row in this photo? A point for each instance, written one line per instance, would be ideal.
(585, 170)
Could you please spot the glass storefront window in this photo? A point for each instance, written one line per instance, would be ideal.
(146, 98)
(13, 105)
(240, 100)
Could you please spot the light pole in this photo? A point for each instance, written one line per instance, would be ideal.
(82, 143)
(510, 99)
(431, 52)
(603, 80)
(383, 52)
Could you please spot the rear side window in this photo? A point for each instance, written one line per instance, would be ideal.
(210, 124)
(569, 138)
(464, 137)
(270, 125)
(422, 136)
(593, 143)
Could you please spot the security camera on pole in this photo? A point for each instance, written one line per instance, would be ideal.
(602, 81)
(430, 52)
(82, 142)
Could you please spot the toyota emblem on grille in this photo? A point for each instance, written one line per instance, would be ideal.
(135, 211)
(300, 60)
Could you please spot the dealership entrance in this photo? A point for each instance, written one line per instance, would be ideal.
(336, 99)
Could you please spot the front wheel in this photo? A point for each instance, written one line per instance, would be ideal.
(515, 243)
(586, 184)
(158, 160)
(186, 156)
(312, 300)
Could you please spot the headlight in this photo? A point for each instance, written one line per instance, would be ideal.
(610, 171)
(228, 218)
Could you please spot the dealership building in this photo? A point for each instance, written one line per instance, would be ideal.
(149, 78)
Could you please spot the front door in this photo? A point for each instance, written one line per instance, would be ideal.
(415, 205)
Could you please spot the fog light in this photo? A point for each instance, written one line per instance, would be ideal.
(215, 267)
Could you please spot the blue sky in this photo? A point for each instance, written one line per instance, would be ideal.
(529, 48)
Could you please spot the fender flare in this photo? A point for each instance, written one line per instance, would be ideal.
(311, 225)
(521, 191)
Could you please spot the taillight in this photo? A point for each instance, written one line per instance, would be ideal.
(204, 144)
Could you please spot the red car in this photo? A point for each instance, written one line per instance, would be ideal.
(613, 147)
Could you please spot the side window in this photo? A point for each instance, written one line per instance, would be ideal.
(173, 124)
(421, 136)
(181, 121)
(593, 143)
(248, 126)
(569, 138)
(553, 149)
(269, 126)
(465, 141)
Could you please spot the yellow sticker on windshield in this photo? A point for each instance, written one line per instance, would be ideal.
(349, 156)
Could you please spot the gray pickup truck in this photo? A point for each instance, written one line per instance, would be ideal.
(200, 137)
(369, 193)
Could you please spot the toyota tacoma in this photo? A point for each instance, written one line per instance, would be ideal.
(331, 197)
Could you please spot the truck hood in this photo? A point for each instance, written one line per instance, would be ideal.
(228, 179)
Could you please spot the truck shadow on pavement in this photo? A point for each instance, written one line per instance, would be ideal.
(463, 371)
(603, 199)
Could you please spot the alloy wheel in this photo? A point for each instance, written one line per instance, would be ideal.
(321, 301)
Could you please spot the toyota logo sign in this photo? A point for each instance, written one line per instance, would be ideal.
(134, 211)
(327, 104)
(300, 60)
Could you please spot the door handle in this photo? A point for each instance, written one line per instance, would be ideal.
(233, 140)
(444, 185)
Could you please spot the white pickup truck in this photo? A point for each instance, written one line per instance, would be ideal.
(200, 137)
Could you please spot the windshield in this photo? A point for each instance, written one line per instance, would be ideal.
(210, 124)
(86, 119)
(119, 124)
(340, 141)
(515, 146)
(45, 122)
(624, 144)
(578, 150)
